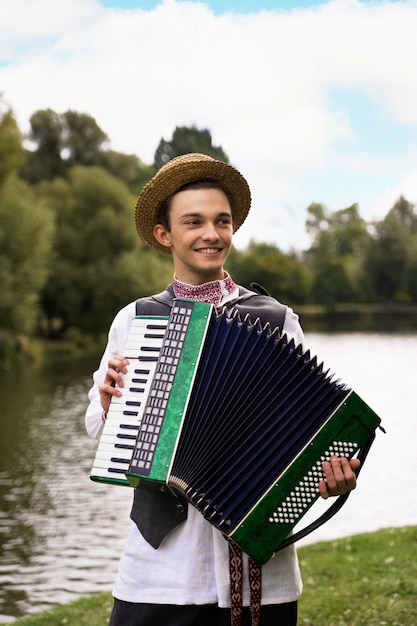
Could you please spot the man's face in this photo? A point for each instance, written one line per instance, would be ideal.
(200, 235)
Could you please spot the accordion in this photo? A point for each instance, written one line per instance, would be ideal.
(239, 419)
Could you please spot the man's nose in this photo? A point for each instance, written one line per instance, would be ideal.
(210, 231)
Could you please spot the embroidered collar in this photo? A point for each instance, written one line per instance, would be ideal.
(212, 292)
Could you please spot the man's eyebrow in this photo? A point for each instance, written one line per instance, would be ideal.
(198, 214)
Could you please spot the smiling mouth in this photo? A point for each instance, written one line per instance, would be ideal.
(209, 250)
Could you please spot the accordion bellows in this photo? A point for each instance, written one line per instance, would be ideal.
(239, 419)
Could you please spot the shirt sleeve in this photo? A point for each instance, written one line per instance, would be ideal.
(116, 341)
(292, 327)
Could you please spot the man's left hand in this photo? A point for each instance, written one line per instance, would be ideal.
(340, 477)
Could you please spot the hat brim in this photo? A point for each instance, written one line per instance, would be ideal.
(179, 172)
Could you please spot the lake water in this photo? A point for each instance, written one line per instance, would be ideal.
(61, 535)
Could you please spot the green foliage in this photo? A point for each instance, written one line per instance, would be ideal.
(45, 162)
(81, 138)
(11, 151)
(61, 140)
(127, 167)
(392, 256)
(26, 228)
(337, 254)
(283, 275)
(93, 273)
(185, 140)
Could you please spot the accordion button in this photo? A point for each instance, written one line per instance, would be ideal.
(179, 508)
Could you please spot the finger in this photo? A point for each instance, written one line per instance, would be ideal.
(118, 364)
(107, 391)
(349, 473)
(113, 381)
(323, 489)
(117, 369)
(354, 464)
(333, 474)
(339, 475)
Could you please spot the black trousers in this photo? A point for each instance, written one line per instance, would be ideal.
(130, 614)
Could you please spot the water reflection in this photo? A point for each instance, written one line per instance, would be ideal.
(51, 535)
(61, 535)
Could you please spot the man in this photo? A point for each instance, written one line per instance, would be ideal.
(176, 568)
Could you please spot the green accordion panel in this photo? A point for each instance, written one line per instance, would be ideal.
(296, 490)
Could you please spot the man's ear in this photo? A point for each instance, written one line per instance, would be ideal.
(162, 235)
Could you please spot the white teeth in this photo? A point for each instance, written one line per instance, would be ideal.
(209, 250)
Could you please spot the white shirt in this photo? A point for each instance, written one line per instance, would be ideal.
(191, 566)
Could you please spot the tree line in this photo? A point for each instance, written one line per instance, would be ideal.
(70, 256)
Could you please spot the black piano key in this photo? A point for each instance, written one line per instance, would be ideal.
(156, 327)
(115, 459)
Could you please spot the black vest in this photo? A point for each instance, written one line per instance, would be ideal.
(157, 512)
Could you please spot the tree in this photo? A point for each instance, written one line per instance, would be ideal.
(392, 257)
(96, 264)
(26, 229)
(283, 275)
(185, 140)
(127, 167)
(61, 140)
(336, 256)
(45, 162)
(82, 138)
(11, 150)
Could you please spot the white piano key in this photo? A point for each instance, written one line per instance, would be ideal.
(125, 412)
(108, 455)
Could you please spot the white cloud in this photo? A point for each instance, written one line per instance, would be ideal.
(259, 82)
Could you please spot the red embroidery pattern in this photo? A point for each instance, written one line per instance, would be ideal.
(212, 292)
(235, 582)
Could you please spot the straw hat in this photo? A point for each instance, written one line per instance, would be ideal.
(178, 172)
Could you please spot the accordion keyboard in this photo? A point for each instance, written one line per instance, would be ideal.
(120, 431)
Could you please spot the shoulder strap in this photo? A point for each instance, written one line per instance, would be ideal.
(159, 304)
(260, 305)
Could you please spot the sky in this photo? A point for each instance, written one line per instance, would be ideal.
(311, 101)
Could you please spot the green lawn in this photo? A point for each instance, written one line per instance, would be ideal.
(364, 580)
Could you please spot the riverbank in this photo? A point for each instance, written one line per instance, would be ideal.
(370, 578)
(314, 318)
(359, 318)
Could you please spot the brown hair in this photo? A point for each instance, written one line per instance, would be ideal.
(163, 212)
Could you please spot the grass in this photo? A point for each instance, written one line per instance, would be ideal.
(364, 580)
